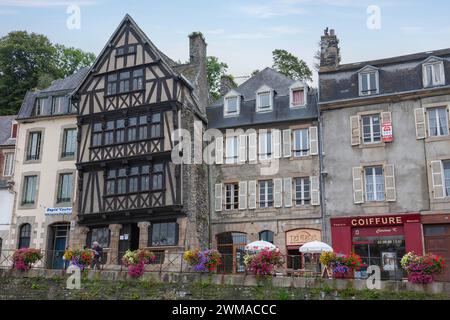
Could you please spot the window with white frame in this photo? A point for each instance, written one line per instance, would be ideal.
(231, 105)
(264, 100)
(231, 153)
(446, 167)
(371, 127)
(265, 145)
(298, 95)
(301, 142)
(58, 105)
(438, 121)
(433, 74)
(9, 164)
(368, 82)
(29, 190)
(266, 194)
(374, 183)
(302, 191)
(231, 196)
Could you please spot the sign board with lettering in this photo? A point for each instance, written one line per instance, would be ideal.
(376, 221)
(386, 130)
(58, 211)
(298, 237)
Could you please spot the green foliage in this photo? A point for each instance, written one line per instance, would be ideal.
(30, 61)
(291, 66)
(215, 70)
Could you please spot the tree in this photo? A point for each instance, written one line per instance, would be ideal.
(291, 66)
(215, 70)
(30, 61)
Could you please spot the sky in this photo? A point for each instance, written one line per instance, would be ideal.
(243, 33)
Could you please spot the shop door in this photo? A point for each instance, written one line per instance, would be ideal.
(128, 239)
(59, 245)
(437, 241)
(231, 246)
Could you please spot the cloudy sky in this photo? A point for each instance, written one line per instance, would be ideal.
(243, 33)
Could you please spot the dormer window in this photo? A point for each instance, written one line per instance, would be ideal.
(264, 99)
(232, 104)
(298, 95)
(40, 106)
(433, 72)
(368, 81)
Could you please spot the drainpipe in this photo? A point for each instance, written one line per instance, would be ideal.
(322, 181)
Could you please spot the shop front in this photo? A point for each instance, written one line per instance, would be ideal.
(294, 240)
(378, 240)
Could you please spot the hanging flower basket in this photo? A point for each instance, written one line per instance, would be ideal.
(23, 259)
(422, 269)
(343, 266)
(203, 261)
(264, 262)
(136, 261)
(82, 258)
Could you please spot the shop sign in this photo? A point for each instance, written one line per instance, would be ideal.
(377, 231)
(386, 129)
(299, 237)
(375, 221)
(58, 211)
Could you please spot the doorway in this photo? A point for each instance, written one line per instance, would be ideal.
(437, 241)
(231, 246)
(128, 239)
(59, 235)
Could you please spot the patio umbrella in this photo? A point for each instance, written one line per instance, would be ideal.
(315, 247)
(260, 245)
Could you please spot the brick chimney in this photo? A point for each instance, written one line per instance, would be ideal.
(226, 84)
(198, 55)
(329, 51)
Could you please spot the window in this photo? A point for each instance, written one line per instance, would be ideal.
(111, 182)
(446, 165)
(368, 83)
(109, 133)
(157, 176)
(374, 181)
(69, 143)
(134, 180)
(126, 50)
(97, 135)
(138, 79)
(266, 236)
(34, 146)
(132, 128)
(65, 188)
(438, 121)
(265, 145)
(231, 196)
(8, 170)
(164, 234)
(112, 84)
(298, 97)
(29, 190)
(24, 236)
(371, 129)
(143, 129)
(145, 178)
(302, 191)
(40, 106)
(264, 101)
(301, 142)
(121, 181)
(58, 104)
(266, 194)
(14, 127)
(231, 155)
(124, 82)
(101, 235)
(155, 126)
(433, 74)
(232, 105)
(120, 131)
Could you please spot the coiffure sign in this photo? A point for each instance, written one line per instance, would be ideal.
(378, 221)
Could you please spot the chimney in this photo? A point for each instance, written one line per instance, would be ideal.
(198, 56)
(226, 84)
(329, 51)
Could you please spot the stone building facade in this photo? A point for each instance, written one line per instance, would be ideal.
(265, 182)
(385, 126)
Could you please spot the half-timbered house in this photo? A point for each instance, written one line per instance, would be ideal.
(131, 194)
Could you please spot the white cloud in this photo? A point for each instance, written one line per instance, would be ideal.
(44, 3)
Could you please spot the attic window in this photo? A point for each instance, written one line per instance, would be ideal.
(40, 106)
(126, 50)
(14, 130)
(368, 82)
(298, 93)
(264, 99)
(433, 73)
(232, 104)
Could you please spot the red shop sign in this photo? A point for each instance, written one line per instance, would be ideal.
(386, 129)
(375, 221)
(378, 232)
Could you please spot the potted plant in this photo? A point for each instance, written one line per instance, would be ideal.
(422, 269)
(136, 261)
(82, 258)
(264, 262)
(342, 266)
(203, 261)
(23, 259)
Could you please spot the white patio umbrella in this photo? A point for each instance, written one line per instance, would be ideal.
(315, 247)
(259, 245)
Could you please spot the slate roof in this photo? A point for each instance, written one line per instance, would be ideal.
(5, 131)
(281, 108)
(396, 75)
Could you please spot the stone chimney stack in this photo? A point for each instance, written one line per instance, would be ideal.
(329, 51)
(226, 84)
(198, 55)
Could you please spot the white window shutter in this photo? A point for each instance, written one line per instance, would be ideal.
(358, 189)
(278, 193)
(252, 194)
(389, 183)
(421, 128)
(242, 195)
(219, 150)
(276, 138)
(287, 188)
(287, 144)
(355, 129)
(437, 180)
(315, 191)
(252, 147)
(313, 141)
(218, 197)
(242, 148)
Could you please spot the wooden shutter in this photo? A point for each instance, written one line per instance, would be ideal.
(252, 194)
(287, 144)
(437, 180)
(242, 195)
(252, 147)
(276, 139)
(287, 188)
(219, 150)
(421, 128)
(278, 193)
(218, 197)
(355, 129)
(313, 141)
(389, 183)
(358, 190)
(315, 191)
(242, 148)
